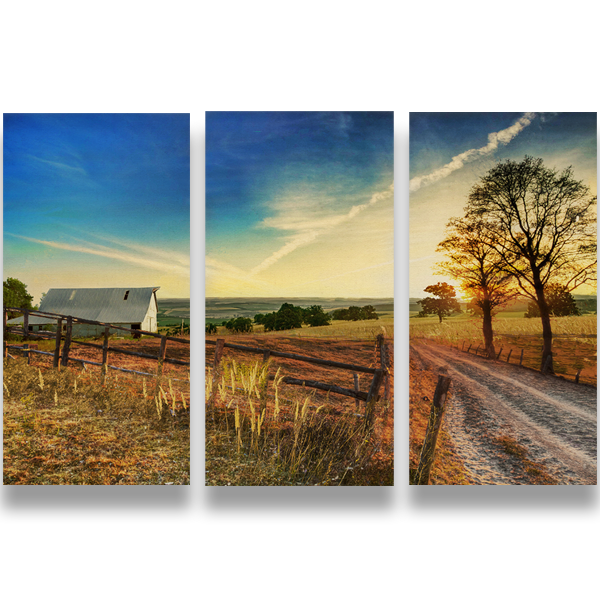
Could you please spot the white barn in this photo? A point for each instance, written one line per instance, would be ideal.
(133, 308)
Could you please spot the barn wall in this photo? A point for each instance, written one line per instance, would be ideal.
(150, 320)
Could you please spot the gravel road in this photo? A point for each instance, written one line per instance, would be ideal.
(554, 419)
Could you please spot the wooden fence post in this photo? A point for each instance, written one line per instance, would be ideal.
(433, 427)
(463, 346)
(105, 346)
(499, 353)
(477, 351)
(372, 397)
(469, 348)
(67, 344)
(266, 356)
(25, 323)
(384, 365)
(521, 359)
(56, 361)
(577, 376)
(26, 351)
(219, 352)
(508, 357)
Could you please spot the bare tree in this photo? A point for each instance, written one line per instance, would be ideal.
(474, 261)
(544, 226)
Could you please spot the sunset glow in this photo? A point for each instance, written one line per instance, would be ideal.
(450, 152)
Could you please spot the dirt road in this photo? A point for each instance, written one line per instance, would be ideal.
(555, 420)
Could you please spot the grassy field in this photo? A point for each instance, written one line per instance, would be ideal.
(574, 339)
(71, 427)
(260, 431)
(171, 311)
(355, 330)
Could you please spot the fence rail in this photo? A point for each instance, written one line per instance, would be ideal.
(62, 355)
(543, 369)
(379, 374)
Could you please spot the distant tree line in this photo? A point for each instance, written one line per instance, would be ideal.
(237, 325)
(294, 317)
(355, 313)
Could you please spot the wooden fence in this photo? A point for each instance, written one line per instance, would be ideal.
(61, 355)
(543, 367)
(434, 425)
(380, 375)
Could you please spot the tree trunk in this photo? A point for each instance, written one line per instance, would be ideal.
(488, 333)
(546, 326)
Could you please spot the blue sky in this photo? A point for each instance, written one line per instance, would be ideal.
(299, 204)
(450, 152)
(97, 200)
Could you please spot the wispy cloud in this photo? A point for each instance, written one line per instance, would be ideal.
(60, 166)
(302, 218)
(225, 278)
(135, 259)
(166, 255)
(458, 161)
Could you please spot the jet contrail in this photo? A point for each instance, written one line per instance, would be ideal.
(306, 237)
(457, 162)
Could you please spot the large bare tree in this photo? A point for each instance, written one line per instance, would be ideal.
(545, 228)
(474, 261)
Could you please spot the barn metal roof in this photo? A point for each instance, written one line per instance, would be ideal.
(107, 305)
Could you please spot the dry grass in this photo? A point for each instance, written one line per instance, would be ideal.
(261, 435)
(535, 472)
(343, 330)
(454, 330)
(67, 427)
(574, 344)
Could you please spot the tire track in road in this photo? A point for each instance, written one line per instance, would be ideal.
(554, 419)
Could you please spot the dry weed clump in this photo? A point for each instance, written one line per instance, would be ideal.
(259, 437)
(71, 426)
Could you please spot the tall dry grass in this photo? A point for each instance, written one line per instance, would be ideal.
(261, 435)
(71, 426)
(453, 330)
